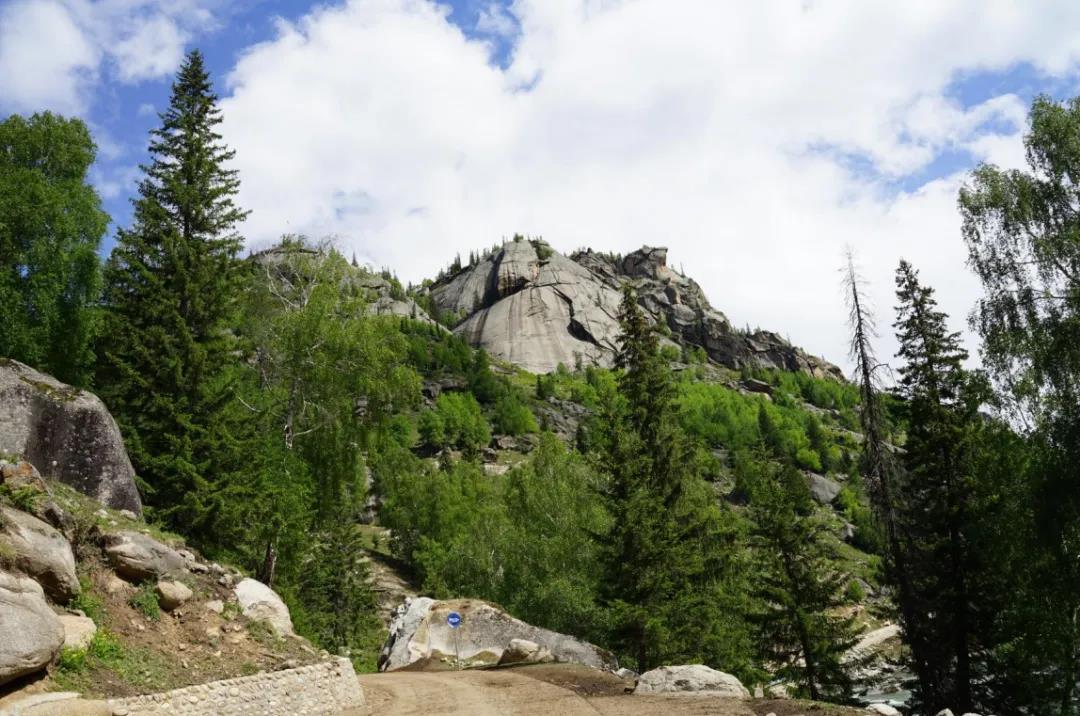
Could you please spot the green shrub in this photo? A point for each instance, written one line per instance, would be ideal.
(456, 421)
(513, 417)
(145, 601)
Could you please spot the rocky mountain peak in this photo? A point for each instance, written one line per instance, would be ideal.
(532, 306)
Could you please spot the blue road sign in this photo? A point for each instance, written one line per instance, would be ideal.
(453, 619)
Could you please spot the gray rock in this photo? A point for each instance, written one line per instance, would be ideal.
(79, 630)
(261, 603)
(32, 633)
(691, 678)
(36, 549)
(823, 489)
(523, 651)
(538, 312)
(944, 712)
(419, 632)
(67, 433)
(136, 556)
(172, 594)
(883, 710)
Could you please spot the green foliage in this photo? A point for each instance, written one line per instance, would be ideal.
(455, 421)
(801, 585)
(720, 416)
(88, 603)
(145, 601)
(1021, 228)
(51, 227)
(521, 540)
(670, 555)
(513, 417)
(172, 288)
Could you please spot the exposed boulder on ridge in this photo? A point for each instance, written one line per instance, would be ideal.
(530, 305)
(67, 433)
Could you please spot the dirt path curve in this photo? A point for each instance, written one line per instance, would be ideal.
(511, 693)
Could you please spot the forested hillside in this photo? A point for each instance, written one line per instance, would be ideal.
(660, 483)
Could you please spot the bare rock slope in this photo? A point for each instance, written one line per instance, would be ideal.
(530, 305)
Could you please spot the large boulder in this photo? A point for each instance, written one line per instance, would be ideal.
(136, 556)
(420, 632)
(67, 433)
(32, 633)
(261, 603)
(691, 679)
(36, 549)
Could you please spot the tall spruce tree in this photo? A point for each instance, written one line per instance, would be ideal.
(941, 408)
(171, 285)
(801, 588)
(669, 547)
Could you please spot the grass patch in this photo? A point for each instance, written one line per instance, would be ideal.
(88, 603)
(85, 670)
(145, 601)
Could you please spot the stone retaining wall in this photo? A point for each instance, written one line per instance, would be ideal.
(321, 689)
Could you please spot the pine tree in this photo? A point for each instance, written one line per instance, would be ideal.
(171, 284)
(935, 509)
(669, 547)
(800, 585)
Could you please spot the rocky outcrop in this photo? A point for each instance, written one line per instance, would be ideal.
(32, 633)
(67, 433)
(420, 633)
(34, 548)
(530, 305)
(691, 679)
(260, 603)
(534, 312)
(136, 556)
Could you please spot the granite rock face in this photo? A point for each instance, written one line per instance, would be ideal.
(67, 433)
(528, 304)
(420, 633)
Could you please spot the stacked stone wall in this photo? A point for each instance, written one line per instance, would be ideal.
(328, 688)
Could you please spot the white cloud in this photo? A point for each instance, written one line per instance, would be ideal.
(495, 20)
(45, 59)
(53, 52)
(717, 129)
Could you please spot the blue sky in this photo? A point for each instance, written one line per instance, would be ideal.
(756, 140)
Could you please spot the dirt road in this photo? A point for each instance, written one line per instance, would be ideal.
(524, 692)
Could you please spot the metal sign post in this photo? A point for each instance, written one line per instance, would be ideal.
(453, 619)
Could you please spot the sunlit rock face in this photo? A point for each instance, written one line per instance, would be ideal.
(528, 304)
